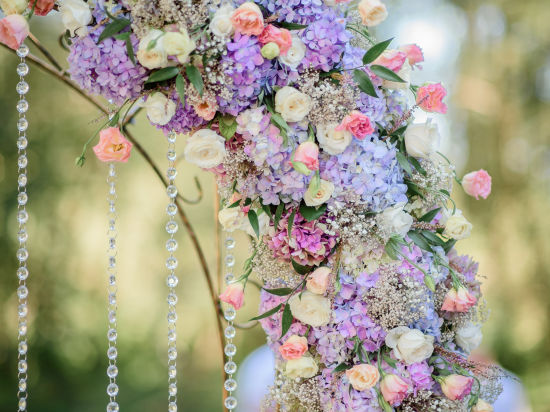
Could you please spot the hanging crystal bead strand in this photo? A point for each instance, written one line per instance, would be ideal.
(112, 334)
(172, 280)
(230, 349)
(22, 218)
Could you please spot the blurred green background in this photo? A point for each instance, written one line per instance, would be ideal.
(494, 56)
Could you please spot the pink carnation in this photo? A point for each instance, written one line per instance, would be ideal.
(14, 29)
(112, 146)
(281, 37)
(456, 387)
(391, 59)
(458, 300)
(477, 184)
(414, 53)
(234, 295)
(357, 124)
(430, 98)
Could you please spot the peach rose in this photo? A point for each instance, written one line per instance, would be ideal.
(281, 37)
(233, 295)
(391, 59)
(477, 184)
(317, 282)
(394, 389)
(482, 406)
(357, 124)
(112, 146)
(206, 108)
(293, 348)
(372, 12)
(306, 154)
(42, 7)
(430, 98)
(414, 53)
(248, 19)
(458, 300)
(456, 387)
(14, 29)
(363, 377)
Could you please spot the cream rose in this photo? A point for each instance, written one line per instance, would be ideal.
(155, 56)
(205, 148)
(482, 406)
(295, 54)
(319, 196)
(160, 109)
(422, 139)
(395, 220)
(469, 336)
(363, 377)
(405, 74)
(304, 367)
(372, 12)
(75, 15)
(310, 308)
(331, 140)
(221, 25)
(292, 104)
(179, 44)
(13, 6)
(457, 227)
(410, 345)
(230, 218)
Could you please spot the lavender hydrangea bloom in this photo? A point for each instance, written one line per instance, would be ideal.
(337, 396)
(184, 120)
(295, 11)
(105, 69)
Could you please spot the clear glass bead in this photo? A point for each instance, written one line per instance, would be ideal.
(22, 235)
(230, 313)
(22, 162)
(230, 385)
(172, 317)
(172, 191)
(22, 179)
(22, 87)
(22, 347)
(172, 389)
(22, 69)
(172, 407)
(22, 216)
(112, 243)
(229, 332)
(172, 227)
(172, 354)
(22, 273)
(112, 353)
(171, 155)
(112, 389)
(22, 106)
(22, 254)
(229, 243)
(171, 137)
(171, 245)
(171, 263)
(112, 262)
(172, 299)
(22, 143)
(172, 336)
(111, 335)
(112, 316)
(172, 209)
(230, 349)
(230, 402)
(22, 328)
(22, 124)
(230, 367)
(22, 292)
(172, 281)
(230, 277)
(171, 173)
(230, 261)
(112, 371)
(23, 50)
(22, 404)
(22, 385)
(22, 310)
(172, 372)
(112, 298)
(22, 366)
(22, 198)
(113, 407)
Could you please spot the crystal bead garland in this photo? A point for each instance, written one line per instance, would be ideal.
(172, 280)
(230, 349)
(112, 352)
(22, 218)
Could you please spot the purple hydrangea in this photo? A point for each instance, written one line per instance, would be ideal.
(336, 395)
(105, 69)
(184, 120)
(464, 264)
(295, 11)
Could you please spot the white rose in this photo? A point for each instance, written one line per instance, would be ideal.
(310, 308)
(230, 218)
(160, 109)
(319, 196)
(179, 44)
(405, 74)
(292, 104)
(155, 56)
(263, 224)
(76, 15)
(422, 139)
(373, 12)
(205, 148)
(410, 345)
(221, 25)
(331, 140)
(456, 226)
(13, 6)
(295, 54)
(304, 367)
(395, 220)
(469, 336)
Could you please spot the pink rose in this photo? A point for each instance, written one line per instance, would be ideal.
(456, 387)
(363, 377)
(357, 124)
(293, 348)
(248, 19)
(14, 29)
(112, 146)
(281, 37)
(394, 389)
(392, 59)
(306, 154)
(42, 7)
(206, 108)
(233, 295)
(414, 53)
(477, 184)
(317, 282)
(430, 98)
(458, 300)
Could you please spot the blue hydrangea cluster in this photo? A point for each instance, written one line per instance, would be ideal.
(295, 11)
(184, 120)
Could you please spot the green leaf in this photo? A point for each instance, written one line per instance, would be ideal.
(291, 223)
(390, 361)
(194, 76)
(400, 131)
(416, 164)
(428, 217)
(114, 120)
(419, 240)
(113, 28)
(364, 83)
(392, 250)
(278, 214)
(278, 121)
(287, 320)
(375, 51)
(163, 74)
(290, 26)
(385, 73)
(413, 189)
(404, 162)
(433, 238)
(279, 291)
(253, 219)
(180, 87)
(300, 269)
(449, 245)
(267, 210)
(312, 213)
(234, 204)
(228, 126)
(342, 367)
(130, 50)
(268, 313)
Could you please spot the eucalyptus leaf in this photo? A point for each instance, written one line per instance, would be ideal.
(342, 367)
(291, 223)
(419, 240)
(290, 26)
(234, 204)
(364, 83)
(278, 214)
(433, 238)
(180, 87)
(375, 51)
(113, 28)
(267, 210)
(279, 291)
(416, 164)
(404, 162)
(268, 313)
(386, 74)
(287, 320)
(428, 217)
(163, 74)
(311, 213)
(253, 219)
(300, 269)
(194, 76)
